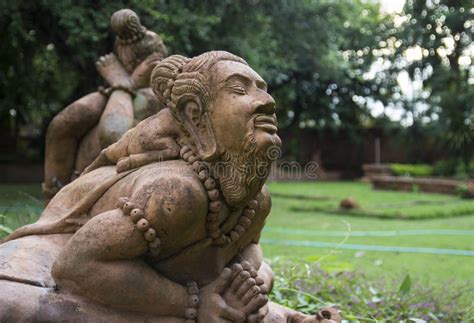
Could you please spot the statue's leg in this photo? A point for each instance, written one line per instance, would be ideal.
(62, 137)
(117, 118)
(89, 149)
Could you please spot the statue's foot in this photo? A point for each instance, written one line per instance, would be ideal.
(110, 68)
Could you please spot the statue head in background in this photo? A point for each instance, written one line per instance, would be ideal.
(134, 43)
(224, 111)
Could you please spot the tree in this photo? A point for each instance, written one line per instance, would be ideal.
(440, 32)
(314, 54)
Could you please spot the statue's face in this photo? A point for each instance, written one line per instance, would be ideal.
(241, 107)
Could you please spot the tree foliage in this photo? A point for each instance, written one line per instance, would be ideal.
(314, 54)
(441, 33)
(317, 55)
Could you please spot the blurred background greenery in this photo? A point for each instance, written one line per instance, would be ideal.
(338, 69)
(345, 75)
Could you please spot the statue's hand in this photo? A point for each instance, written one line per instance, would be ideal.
(244, 292)
(234, 296)
(213, 307)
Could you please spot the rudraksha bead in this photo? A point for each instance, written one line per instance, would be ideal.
(128, 206)
(143, 225)
(210, 184)
(150, 235)
(249, 213)
(121, 202)
(213, 195)
(252, 204)
(136, 215)
(215, 206)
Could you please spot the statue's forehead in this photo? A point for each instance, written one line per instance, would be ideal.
(223, 70)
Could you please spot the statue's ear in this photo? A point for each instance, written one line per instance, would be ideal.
(197, 123)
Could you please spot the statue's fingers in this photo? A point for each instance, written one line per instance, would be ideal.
(251, 293)
(264, 288)
(222, 281)
(231, 314)
(236, 269)
(256, 303)
(239, 280)
(245, 287)
(259, 280)
(253, 273)
(246, 265)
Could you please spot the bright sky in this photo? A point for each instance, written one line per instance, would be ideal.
(376, 107)
(392, 5)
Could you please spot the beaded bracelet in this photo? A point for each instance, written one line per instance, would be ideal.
(102, 90)
(108, 91)
(191, 312)
(137, 216)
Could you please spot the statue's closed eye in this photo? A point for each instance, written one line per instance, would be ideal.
(237, 88)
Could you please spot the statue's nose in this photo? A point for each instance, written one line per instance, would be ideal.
(267, 105)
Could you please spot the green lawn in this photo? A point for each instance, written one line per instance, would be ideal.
(308, 213)
(319, 220)
(19, 204)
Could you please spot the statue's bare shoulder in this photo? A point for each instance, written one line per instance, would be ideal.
(174, 201)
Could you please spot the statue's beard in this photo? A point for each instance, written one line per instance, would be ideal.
(242, 173)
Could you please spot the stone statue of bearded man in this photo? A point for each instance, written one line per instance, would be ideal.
(166, 222)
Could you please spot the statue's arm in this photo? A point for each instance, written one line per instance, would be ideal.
(102, 262)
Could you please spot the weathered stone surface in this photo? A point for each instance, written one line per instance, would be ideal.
(166, 221)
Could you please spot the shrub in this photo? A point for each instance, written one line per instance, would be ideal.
(411, 169)
(446, 167)
(453, 167)
(463, 173)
